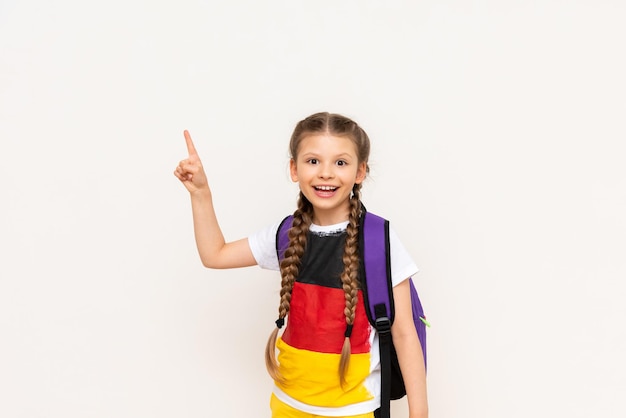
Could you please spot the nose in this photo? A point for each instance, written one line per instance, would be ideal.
(326, 171)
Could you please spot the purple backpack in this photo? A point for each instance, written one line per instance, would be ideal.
(375, 278)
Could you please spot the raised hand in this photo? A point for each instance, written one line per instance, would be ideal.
(190, 171)
(214, 251)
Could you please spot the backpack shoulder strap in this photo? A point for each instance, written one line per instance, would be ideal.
(376, 273)
(282, 237)
(378, 294)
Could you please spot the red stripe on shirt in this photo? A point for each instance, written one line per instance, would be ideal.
(317, 321)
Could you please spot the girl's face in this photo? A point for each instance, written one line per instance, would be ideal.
(326, 168)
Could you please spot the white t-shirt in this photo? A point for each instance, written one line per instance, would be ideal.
(263, 246)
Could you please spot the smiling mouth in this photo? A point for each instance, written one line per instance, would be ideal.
(325, 188)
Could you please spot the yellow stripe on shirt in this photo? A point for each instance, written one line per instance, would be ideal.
(313, 378)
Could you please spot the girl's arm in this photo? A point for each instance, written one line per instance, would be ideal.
(409, 352)
(214, 251)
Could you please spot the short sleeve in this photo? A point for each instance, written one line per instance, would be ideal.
(263, 246)
(402, 265)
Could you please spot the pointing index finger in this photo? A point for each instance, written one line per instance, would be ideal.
(190, 147)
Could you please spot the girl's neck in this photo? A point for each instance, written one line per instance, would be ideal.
(325, 218)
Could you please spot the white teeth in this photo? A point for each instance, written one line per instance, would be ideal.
(327, 188)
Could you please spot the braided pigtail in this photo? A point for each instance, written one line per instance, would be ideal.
(289, 267)
(349, 277)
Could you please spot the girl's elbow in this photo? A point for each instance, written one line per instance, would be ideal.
(215, 263)
(405, 339)
(209, 262)
(404, 332)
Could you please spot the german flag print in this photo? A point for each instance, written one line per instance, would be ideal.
(310, 348)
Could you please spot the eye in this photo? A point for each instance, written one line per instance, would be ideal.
(312, 161)
(341, 163)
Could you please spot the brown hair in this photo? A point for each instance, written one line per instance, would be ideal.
(336, 125)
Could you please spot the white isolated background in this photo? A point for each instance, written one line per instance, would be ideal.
(498, 153)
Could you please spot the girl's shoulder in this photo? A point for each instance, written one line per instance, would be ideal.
(263, 246)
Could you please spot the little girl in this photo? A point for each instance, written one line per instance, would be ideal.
(328, 362)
